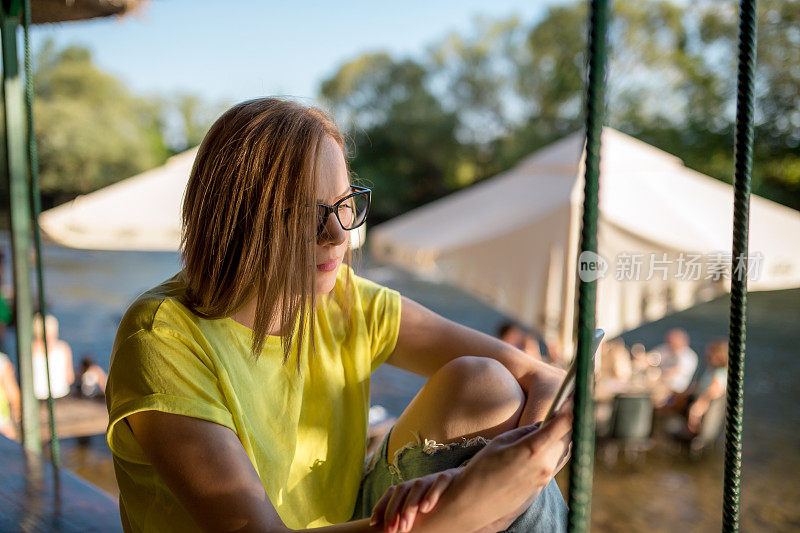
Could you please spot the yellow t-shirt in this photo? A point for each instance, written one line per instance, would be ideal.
(304, 432)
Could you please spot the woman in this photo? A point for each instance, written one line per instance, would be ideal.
(229, 412)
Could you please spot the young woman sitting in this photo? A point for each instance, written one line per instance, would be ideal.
(239, 389)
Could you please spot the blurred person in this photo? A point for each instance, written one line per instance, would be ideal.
(678, 361)
(6, 314)
(91, 382)
(238, 389)
(613, 369)
(555, 351)
(639, 364)
(618, 359)
(9, 399)
(645, 371)
(615, 362)
(712, 383)
(59, 358)
(516, 336)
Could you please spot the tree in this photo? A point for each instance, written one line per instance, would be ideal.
(89, 129)
(776, 167)
(402, 141)
(504, 89)
(194, 117)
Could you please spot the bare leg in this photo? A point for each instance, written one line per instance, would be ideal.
(467, 397)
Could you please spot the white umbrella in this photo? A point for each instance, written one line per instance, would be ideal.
(138, 213)
(512, 240)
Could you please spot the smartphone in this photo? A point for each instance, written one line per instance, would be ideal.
(568, 385)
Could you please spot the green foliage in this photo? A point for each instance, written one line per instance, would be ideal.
(194, 117)
(90, 130)
(394, 121)
(478, 102)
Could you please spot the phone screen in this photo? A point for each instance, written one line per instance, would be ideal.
(568, 385)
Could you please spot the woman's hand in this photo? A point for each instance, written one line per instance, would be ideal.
(399, 506)
(502, 479)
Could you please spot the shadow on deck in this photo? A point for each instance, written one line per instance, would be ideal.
(35, 497)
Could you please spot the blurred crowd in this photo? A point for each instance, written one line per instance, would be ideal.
(670, 376)
(671, 373)
(88, 382)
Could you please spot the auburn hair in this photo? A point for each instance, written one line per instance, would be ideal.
(249, 217)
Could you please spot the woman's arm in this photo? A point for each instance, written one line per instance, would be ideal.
(427, 341)
(206, 467)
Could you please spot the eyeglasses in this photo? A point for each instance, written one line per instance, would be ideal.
(351, 211)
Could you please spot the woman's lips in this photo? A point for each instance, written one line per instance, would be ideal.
(329, 266)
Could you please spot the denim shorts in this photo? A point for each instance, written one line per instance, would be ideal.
(547, 513)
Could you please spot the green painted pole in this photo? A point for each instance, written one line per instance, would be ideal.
(743, 164)
(36, 208)
(582, 466)
(19, 200)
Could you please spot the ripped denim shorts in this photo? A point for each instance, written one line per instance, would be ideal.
(547, 513)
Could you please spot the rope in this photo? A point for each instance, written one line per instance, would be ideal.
(743, 163)
(36, 207)
(581, 470)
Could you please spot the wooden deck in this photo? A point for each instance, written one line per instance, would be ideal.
(75, 417)
(35, 497)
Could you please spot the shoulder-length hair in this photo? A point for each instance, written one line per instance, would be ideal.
(249, 217)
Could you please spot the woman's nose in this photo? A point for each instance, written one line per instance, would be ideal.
(334, 233)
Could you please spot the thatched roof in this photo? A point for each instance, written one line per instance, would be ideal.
(43, 11)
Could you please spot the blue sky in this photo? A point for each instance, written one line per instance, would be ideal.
(252, 48)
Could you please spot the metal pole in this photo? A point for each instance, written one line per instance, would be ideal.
(36, 208)
(743, 164)
(582, 467)
(19, 200)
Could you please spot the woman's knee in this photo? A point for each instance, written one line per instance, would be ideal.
(480, 388)
(468, 396)
(475, 372)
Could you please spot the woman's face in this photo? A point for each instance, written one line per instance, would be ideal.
(333, 183)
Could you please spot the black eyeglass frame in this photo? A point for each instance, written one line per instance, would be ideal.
(334, 209)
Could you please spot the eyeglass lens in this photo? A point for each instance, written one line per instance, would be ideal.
(351, 212)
